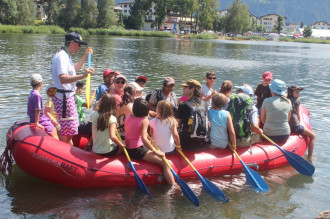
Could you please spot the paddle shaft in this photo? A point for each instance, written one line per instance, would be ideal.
(88, 79)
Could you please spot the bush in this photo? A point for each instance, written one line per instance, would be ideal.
(202, 36)
(42, 29)
(79, 30)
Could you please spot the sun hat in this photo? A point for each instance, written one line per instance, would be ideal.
(246, 89)
(35, 78)
(168, 81)
(278, 87)
(108, 71)
(267, 75)
(120, 76)
(137, 87)
(192, 83)
(75, 37)
(141, 77)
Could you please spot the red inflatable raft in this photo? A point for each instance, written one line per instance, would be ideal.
(46, 158)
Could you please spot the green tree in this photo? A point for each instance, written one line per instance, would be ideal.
(207, 12)
(26, 12)
(8, 11)
(161, 12)
(106, 16)
(138, 12)
(69, 14)
(88, 14)
(53, 10)
(308, 32)
(280, 24)
(260, 28)
(238, 18)
(219, 22)
(186, 8)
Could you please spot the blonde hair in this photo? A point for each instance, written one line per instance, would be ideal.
(165, 112)
(226, 86)
(219, 100)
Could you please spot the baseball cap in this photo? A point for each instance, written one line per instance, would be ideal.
(294, 87)
(267, 75)
(246, 89)
(278, 87)
(141, 77)
(168, 81)
(137, 87)
(108, 71)
(75, 37)
(35, 78)
(192, 83)
(120, 76)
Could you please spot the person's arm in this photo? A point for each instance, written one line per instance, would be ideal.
(231, 132)
(263, 116)
(83, 59)
(289, 115)
(298, 113)
(67, 79)
(144, 135)
(113, 136)
(174, 131)
(255, 128)
(37, 116)
(52, 119)
(207, 98)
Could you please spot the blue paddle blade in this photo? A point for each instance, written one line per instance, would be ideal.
(89, 59)
(212, 189)
(255, 180)
(139, 181)
(186, 190)
(297, 162)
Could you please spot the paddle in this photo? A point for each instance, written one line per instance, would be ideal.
(210, 187)
(297, 162)
(184, 187)
(252, 177)
(88, 80)
(139, 181)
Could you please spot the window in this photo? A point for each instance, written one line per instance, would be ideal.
(125, 6)
(125, 11)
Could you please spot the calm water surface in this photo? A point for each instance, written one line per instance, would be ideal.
(290, 196)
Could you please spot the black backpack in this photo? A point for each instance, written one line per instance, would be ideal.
(239, 108)
(198, 123)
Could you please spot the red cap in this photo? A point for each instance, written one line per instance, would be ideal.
(108, 71)
(141, 77)
(267, 75)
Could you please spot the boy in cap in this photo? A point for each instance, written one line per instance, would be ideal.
(262, 92)
(64, 77)
(35, 109)
(141, 81)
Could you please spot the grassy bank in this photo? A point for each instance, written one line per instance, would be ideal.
(42, 29)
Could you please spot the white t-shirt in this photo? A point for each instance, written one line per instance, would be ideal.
(162, 135)
(62, 64)
(206, 91)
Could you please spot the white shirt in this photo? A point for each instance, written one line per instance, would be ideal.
(162, 135)
(206, 91)
(62, 64)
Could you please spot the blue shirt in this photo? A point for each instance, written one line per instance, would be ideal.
(100, 91)
(218, 119)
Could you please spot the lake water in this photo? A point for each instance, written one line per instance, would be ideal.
(290, 196)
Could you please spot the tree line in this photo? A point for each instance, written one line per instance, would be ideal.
(100, 14)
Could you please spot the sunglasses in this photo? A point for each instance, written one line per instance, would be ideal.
(122, 82)
(210, 78)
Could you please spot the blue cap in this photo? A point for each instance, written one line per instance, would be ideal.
(278, 87)
(75, 37)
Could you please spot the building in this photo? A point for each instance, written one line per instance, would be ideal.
(291, 28)
(40, 11)
(321, 25)
(269, 21)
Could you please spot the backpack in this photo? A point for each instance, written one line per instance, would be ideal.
(198, 122)
(239, 108)
(158, 95)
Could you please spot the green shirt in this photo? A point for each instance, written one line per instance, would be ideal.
(102, 143)
(80, 110)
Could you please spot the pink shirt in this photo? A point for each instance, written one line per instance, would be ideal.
(133, 136)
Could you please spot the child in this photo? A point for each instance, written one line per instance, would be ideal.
(295, 126)
(263, 91)
(225, 89)
(104, 124)
(221, 122)
(164, 128)
(84, 126)
(49, 107)
(136, 137)
(207, 91)
(34, 107)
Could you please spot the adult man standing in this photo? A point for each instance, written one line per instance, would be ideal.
(165, 93)
(64, 76)
(192, 117)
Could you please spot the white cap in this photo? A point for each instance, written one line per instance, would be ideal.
(137, 87)
(246, 89)
(36, 77)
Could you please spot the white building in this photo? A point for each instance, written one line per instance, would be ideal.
(320, 25)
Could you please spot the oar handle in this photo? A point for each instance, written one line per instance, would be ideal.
(268, 139)
(164, 158)
(124, 148)
(188, 161)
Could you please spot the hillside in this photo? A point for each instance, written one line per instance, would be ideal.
(308, 11)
